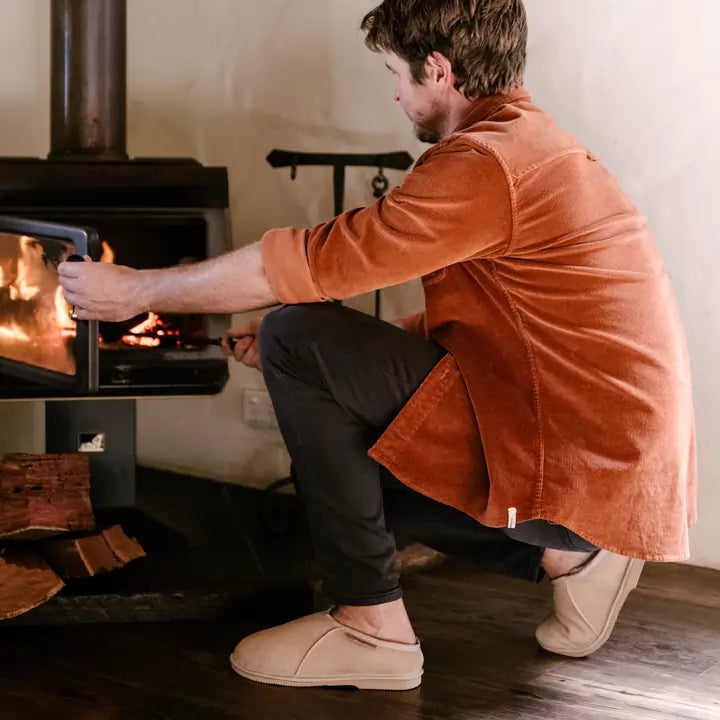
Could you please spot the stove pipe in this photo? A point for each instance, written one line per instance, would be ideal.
(88, 80)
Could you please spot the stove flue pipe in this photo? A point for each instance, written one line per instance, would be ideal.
(88, 61)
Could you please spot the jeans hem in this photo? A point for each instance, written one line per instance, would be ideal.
(380, 599)
(535, 571)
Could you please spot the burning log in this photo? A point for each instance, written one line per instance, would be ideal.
(43, 495)
(91, 555)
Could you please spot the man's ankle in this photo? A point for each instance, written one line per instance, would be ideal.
(385, 622)
(558, 563)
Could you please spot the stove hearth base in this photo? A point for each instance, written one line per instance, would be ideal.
(214, 552)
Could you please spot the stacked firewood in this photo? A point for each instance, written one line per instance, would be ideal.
(47, 530)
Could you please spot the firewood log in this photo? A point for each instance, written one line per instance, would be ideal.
(44, 495)
(124, 548)
(26, 581)
(91, 555)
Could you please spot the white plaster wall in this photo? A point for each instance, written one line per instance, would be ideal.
(225, 81)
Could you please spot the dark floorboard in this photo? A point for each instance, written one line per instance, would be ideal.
(663, 662)
(481, 662)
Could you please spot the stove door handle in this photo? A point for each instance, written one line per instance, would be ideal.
(71, 313)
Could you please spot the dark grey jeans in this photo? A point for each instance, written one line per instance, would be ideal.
(337, 378)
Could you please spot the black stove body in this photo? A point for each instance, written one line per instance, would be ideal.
(150, 214)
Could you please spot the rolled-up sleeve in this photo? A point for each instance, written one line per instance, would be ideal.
(455, 205)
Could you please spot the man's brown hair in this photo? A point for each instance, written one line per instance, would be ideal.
(484, 40)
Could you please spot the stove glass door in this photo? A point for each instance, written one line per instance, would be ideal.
(38, 339)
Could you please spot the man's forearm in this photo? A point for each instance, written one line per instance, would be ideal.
(232, 283)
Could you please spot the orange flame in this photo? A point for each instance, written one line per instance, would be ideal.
(52, 324)
(146, 326)
(13, 332)
(21, 288)
(108, 254)
(153, 324)
(141, 341)
(38, 327)
(62, 315)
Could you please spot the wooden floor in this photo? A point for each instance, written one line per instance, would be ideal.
(481, 662)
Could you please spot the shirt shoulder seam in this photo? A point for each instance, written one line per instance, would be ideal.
(487, 148)
(549, 159)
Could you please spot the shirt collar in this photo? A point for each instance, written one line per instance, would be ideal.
(482, 108)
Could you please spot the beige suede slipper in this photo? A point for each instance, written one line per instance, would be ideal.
(587, 605)
(318, 651)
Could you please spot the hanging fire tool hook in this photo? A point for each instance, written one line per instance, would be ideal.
(339, 162)
(380, 184)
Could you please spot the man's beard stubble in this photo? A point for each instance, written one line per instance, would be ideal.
(426, 136)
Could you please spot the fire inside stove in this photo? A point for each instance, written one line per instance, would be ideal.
(35, 327)
(152, 332)
(35, 324)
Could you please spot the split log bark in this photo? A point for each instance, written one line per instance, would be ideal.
(26, 581)
(125, 549)
(43, 495)
(92, 554)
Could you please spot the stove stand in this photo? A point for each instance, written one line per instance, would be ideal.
(106, 431)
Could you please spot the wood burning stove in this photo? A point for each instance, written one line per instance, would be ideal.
(169, 225)
(88, 196)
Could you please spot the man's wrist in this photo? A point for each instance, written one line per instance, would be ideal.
(147, 289)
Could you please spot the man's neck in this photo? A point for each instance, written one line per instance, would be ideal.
(458, 108)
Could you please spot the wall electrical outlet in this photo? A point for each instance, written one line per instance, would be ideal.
(258, 411)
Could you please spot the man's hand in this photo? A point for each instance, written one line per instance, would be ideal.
(101, 291)
(413, 324)
(246, 348)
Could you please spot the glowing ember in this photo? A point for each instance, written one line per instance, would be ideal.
(141, 341)
(152, 326)
(146, 326)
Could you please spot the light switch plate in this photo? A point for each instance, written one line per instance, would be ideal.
(258, 411)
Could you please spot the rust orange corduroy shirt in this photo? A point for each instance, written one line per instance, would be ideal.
(565, 394)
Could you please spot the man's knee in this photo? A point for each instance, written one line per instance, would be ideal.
(286, 324)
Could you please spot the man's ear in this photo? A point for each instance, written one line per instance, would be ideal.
(438, 69)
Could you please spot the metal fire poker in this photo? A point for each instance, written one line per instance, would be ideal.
(197, 342)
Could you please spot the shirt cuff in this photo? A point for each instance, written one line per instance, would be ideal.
(284, 254)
